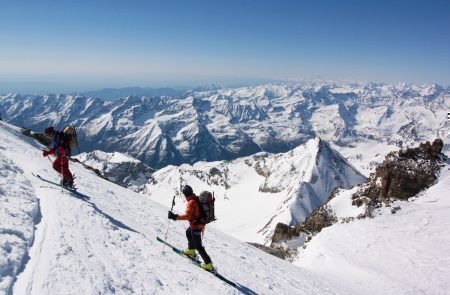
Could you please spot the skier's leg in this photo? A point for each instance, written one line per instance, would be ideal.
(57, 165)
(197, 243)
(65, 169)
(189, 238)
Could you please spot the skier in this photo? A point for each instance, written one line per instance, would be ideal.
(195, 229)
(62, 152)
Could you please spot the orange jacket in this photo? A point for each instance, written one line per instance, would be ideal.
(192, 213)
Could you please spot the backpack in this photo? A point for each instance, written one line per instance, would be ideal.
(206, 203)
(70, 136)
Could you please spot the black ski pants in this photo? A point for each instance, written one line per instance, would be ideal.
(194, 237)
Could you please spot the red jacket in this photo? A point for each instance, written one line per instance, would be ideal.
(192, 213)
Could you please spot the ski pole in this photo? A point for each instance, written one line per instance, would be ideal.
(168, 223)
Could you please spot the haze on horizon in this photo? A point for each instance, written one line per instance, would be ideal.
(86, 45)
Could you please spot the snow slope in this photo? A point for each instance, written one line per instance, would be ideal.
(403, 253)
(52, 242)
(254, 193)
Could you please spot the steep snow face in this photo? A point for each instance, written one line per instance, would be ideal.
(254, 193)
(402, 253)
(19, 210)
(224, 124)
(52, 242)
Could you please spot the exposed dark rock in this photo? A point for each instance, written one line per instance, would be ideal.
(273, 251)
(402, 175)
(319, 219)
(284, 232)
(42, 138)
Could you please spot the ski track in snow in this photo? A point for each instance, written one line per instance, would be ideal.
(107, 245)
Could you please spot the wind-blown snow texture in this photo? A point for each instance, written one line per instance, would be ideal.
(223, 124)
(52, 242)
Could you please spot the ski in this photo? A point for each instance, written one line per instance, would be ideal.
(73, 191)
(197, 262)
(180, 252)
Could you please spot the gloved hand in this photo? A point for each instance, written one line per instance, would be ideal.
(172, 216)
(45, 153)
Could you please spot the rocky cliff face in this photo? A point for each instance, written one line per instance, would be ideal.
(402, 175)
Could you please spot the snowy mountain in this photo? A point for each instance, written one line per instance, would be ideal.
(224, 124)
(118, 168)
(116, 93)
(403, 175)
(254, 193)
(404, 249)
(52, 242)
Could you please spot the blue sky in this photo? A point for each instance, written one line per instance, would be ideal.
(95, 44)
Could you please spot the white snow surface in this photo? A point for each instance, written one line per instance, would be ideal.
(115, 158)
(52, 242)
(403, 253)
(254, 193)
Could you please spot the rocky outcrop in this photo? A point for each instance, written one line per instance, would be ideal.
(319, 219)
(402, 175)
(273, 251)
(40, 137)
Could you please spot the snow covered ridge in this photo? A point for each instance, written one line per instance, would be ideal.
(224, 124)
(255, 193)
(118, 168)
(402, 175)
(403, 253)
(52, 242)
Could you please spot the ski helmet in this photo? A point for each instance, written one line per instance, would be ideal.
(187, 190)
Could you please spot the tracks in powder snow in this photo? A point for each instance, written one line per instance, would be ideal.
(75, 238)
(61, 235)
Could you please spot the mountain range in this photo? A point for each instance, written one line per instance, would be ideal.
(225, 124)
(117, 93)
(271, 154)
(54, 242)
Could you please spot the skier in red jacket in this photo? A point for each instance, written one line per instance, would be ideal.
(62, 152)
(195, 229)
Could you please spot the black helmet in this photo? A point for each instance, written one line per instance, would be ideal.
(187, 190)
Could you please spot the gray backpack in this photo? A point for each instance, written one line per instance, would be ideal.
(206, 203)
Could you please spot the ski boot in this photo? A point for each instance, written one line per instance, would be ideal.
(207, 266)
(190, 253)
(68, 183)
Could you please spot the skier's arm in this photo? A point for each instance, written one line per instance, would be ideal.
(188, 214)
(49, 152)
